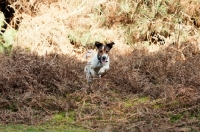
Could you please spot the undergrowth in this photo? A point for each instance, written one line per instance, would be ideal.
(6, 36)
(151, 85)
(81, 23)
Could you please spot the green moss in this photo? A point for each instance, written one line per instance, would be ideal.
(128, 104)
(71, 116)
(157, 106)
(135, 101)
(59, 117)
(143, 99)
(62, 117)
(174, 118)
(174, 103)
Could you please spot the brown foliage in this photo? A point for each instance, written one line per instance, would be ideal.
(31, 84)
(33, 87)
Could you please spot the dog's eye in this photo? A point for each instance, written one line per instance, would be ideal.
(100, 51)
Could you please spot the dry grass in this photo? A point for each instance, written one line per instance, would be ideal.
(151, 90)
(147, 89)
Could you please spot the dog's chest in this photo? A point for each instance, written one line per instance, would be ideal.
(101, 64)
(98, 67)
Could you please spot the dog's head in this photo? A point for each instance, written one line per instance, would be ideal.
(103, 51)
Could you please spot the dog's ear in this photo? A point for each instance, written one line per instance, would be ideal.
(110, 45)
(98, 44)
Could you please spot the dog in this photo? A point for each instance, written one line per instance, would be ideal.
(100, 62)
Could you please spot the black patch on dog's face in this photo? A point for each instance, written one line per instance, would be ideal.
(98, 44)
(107, 46)
(110, 45)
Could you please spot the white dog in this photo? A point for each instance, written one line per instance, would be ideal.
(99, 62)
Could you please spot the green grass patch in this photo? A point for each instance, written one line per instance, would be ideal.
(176, 117)
(135, 101)
(60, 122)
(157, 106)
(143, 100)
(41, 128)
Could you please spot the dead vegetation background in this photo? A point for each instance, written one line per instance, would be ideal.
(149, 87)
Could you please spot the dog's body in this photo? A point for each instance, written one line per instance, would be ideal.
(100, 62)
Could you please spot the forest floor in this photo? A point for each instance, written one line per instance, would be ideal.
(150, 86)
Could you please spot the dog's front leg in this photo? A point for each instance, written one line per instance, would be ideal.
(103, 69)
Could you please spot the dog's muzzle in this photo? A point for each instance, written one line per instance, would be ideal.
(103, 59)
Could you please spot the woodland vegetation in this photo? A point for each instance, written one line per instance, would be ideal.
(153, 83)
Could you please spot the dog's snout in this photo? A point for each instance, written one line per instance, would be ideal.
(103, 57)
